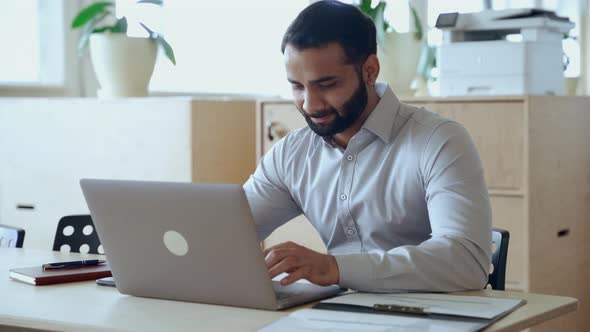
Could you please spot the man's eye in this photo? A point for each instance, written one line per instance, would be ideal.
(296, 87)
(327, 85)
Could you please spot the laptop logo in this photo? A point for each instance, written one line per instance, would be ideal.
(175, 243)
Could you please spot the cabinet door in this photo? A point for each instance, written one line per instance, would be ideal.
(35, 201)
(497, 129)
(52, 144)
(509, 214)
(277, 120)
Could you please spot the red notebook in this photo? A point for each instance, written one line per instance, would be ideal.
(36, 276)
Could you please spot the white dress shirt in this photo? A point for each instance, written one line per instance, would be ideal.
(403, 207)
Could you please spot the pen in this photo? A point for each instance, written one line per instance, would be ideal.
(64, 265)
(401, 309)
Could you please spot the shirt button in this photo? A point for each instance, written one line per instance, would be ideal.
(350, 157)
(350, 231)
(343, 197)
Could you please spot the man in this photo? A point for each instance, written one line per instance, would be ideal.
(396, 192)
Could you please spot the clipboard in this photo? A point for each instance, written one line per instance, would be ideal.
(424, 304)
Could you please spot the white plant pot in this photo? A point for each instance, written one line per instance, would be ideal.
(398, 59)
(123, 65)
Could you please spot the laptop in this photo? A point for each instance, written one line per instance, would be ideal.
(190, 242)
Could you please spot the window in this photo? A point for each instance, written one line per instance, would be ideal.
(20, 58)
(220, 47)
(32, 52)
(397, 13)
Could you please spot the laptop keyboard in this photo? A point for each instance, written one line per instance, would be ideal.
(283, 292)
(301, 292)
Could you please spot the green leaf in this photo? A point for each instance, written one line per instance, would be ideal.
(418, 33)
(89, 13)
(379, 19)
(152, 34)
(167, 49)
(379, 27)
(162, 42)
(88, 29)
(426, 62)
(377, 15)
(365, 6)
(120, 26)
(155, 2)
(102, 29)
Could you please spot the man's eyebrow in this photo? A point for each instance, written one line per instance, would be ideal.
(319, 80)
(324, 79)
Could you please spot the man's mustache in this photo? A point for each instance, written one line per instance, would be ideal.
(321, 114)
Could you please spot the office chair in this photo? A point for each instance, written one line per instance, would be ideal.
(500, 239)
(11, 237)
(76, 233)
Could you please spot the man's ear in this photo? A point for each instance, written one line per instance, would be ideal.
(371, 70)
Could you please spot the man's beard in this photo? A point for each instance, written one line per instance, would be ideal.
(350, 112)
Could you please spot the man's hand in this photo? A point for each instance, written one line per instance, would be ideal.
(301, 263)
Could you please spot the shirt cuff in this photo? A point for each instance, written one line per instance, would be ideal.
(355, 270)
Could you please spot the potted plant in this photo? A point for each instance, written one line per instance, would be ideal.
(123, 65)
(398, 53)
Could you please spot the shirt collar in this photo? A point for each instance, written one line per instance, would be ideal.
(381, 120)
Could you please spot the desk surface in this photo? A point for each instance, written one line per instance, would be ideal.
(87, 306)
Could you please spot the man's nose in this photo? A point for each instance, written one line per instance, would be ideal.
(312, 102)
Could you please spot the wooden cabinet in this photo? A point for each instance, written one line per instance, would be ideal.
(498, 131)
(536, 156)
(48, 145)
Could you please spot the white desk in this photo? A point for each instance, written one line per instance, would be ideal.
(89, 307)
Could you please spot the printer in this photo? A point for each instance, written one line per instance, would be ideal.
(502, 52)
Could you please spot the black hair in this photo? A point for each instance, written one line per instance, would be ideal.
(329, 21)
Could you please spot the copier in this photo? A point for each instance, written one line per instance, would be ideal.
(502, 52)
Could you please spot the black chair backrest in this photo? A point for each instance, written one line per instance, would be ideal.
(11, 237)
(500, 240)
(77, 234)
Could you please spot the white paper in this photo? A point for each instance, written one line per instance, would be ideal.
(329, 320)
(468, 306)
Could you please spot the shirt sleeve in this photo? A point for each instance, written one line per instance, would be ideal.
(458, 254)
(270, 200)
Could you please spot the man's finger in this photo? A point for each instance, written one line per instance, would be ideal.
(288, 265)
(283, 245)
(296, 275)
(275, 247)
(276, 255)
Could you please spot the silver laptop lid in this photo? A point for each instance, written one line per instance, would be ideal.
(180, 241)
